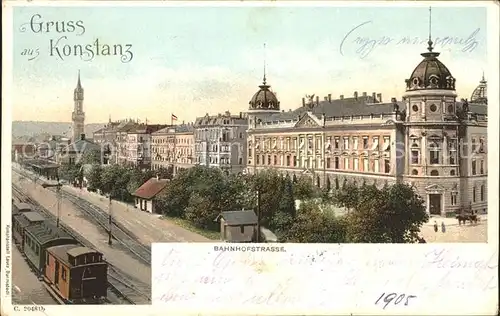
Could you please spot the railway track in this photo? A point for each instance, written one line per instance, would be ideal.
(130, 291)
(101, 218)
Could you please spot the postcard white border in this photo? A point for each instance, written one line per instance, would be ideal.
(7, 61)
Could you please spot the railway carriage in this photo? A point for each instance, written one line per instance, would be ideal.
(78, 274)
(22, 207)
(38, 238)
(22, 220)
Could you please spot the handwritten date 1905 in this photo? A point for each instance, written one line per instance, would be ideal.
(388, 298)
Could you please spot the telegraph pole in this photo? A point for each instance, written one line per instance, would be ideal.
(110, 221)
(58, 186)
(258, 215)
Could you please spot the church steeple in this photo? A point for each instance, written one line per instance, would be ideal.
(78, 116)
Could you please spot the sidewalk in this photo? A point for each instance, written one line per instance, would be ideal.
(73, 218)
(149, 228)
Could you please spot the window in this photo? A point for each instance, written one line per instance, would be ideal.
(63, 274)
(482, 192)
(365, 142)
(240, 160)
(268, 159)
(452, 148)
(337, 143)
(257, 159)
(434, 173)
(355, 143)
(376, 165)
(387, 166)
(275, 160)
(346, 163)
(433, 108)
(481, 166)
(452, 172)
(415, 156)
(365, 164)
(336, 162)
(434, 153)
(294, 161)
(474, 194)
(356, 165)
(414, 108)
(346, 142)
(387, 143)
(474, 171)
(288, 160)
(481, 145)
(473, 145)
(328, 162)
(453, 198)
(242, 229)
(375, 145)
(249, 152)
(414, 172)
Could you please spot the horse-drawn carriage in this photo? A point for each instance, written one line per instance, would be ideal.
(465, 215)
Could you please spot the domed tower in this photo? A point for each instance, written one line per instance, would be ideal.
(263, 103)
(480, 96)
(431, 140)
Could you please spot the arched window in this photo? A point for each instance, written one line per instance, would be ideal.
(434, 173)
(434, 152)
(482, 192)
(415, 154)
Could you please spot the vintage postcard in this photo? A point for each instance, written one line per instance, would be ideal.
(306, 158)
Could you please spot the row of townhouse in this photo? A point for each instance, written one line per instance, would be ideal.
(427, 139)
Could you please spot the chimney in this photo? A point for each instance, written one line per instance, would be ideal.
(317, 100)
(241, 115)
(326, 98)
(356, 95)
(341, 97)
(330, 97)
(364, 94)
(304, 102)
(82, 136)
(379, 97)
(374, 96)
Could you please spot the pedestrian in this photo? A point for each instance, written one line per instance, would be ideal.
(435, 227)
(443, 227)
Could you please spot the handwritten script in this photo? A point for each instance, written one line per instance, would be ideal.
(323, 278)
(363, 45)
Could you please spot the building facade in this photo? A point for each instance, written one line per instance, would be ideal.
(108, 138)
(173, 148)
(78, 116)
(138, 145)
(220, 141)
(429, 139)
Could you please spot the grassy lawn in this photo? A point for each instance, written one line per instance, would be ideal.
(187, 225)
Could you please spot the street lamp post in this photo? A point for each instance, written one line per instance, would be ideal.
(58, 186)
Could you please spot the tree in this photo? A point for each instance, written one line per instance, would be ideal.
(92, 156)
(137, 178)
(393, 214)
(312, 225)
(94, 178)
(114, 181)
(304, 189)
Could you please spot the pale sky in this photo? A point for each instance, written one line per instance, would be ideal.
(193, 60)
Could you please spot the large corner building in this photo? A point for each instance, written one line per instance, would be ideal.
(428, 139)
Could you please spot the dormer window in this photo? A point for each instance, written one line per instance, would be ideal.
(434, 80)
(416, 81)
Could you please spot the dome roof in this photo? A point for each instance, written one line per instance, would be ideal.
(480, 93)
(430, 74)
(264, 99)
